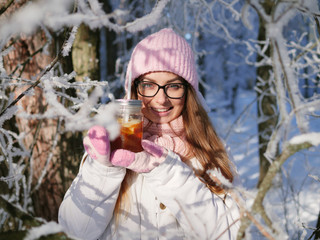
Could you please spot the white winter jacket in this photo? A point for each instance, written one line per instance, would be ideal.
(169, 202)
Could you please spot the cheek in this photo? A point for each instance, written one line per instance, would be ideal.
(180, 104)
(179, 110)
(145, 103)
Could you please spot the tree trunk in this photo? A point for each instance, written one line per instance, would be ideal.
(267, 102)
(317, 231)
(85, 53)
(40, 135)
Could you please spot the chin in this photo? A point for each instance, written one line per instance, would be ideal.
(159, 120)
(164, 120)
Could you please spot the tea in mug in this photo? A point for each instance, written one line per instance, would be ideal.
(130, 136)
(130, 119)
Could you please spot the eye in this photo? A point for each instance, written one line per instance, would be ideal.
(147, 85)
(175, 86)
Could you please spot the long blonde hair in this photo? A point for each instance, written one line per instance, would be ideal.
(204, 144)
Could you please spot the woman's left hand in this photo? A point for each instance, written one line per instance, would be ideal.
(140, 162)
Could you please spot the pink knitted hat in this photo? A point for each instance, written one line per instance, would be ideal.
(164, 51)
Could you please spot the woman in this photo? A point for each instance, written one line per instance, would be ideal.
(168, 190)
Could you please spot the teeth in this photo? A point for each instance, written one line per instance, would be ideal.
(161, 110)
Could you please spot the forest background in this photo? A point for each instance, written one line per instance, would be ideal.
(63, 61)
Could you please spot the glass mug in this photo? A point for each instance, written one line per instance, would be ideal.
(130, 119)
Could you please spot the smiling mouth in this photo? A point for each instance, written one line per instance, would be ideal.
(161, 110)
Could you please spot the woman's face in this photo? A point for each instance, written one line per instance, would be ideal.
(160, 108)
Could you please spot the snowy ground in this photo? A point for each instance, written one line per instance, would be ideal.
(293, 202)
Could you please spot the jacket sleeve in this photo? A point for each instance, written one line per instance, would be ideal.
(202, 214)
(88, 205)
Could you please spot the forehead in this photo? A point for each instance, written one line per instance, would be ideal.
(162, 77)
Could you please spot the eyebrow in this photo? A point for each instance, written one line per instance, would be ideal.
(169, 81)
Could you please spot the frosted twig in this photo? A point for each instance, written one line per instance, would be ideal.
(217, 23)
(49, 158)
(36, 83)
(291, 86)
(257, 206)
(317, 178)
(68, 44)
(239, 117)
(277, 134)
(147, 20)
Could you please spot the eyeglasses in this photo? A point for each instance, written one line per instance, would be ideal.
(150, 89)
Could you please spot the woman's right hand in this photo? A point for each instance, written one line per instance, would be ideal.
(97, 144)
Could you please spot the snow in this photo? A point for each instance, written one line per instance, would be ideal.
(68, 45)
(313, 138)
(27, 19)
(291, 205)
(147, 20)
(8, 114)
(45, 229)
(230, 64)
(311, 5)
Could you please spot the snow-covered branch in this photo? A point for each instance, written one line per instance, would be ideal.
(294, 145)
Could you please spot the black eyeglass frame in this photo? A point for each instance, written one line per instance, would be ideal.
(185, 85)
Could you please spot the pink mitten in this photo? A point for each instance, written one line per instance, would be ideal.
(97, 144)
(140, 162)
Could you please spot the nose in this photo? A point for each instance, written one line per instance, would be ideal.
(161, 97)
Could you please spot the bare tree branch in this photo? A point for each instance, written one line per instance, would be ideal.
(257, 207)
(6, 6)
(14, 211)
